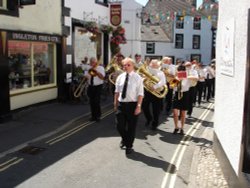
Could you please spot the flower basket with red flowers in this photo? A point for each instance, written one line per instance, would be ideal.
(118, 37)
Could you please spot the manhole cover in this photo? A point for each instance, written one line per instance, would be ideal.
(32, 150)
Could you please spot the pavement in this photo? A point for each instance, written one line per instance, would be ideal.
(35, 123)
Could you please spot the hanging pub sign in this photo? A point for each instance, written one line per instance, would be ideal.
(27, 2)
(115, 14)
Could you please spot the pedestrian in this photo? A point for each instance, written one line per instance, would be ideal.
(95, 76)
(181, 97)
(150, 100)
(127, 103)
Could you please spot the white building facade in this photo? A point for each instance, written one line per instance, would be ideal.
(231, 120)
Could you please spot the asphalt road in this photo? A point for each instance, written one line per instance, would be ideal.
(87, 155)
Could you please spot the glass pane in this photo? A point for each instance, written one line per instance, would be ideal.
(43, 63)
(20, 65)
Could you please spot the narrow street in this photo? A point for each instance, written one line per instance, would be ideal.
(87, 154)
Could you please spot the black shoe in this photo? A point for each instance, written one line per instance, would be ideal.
(128, 151)
(175, 131)
(181, 132)
(122, 145)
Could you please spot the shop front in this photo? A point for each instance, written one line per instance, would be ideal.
(30, 60)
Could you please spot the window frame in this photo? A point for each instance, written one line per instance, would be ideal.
(179, 24)
(181, 42)
(197, 23)
(194, 42)
(152, 46)
(102, 2)
(10, 8)
(196, 57)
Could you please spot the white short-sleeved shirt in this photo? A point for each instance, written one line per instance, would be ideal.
(161, 76)
(135, 87)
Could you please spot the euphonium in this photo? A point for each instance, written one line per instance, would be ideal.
(149, 81)
(80, 87)
(173, 83)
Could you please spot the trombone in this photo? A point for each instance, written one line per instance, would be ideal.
(83, 84)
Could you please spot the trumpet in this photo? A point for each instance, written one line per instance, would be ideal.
(83, 84)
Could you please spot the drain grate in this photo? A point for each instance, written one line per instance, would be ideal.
(32, 150)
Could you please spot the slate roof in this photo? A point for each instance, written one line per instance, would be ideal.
(153, 33)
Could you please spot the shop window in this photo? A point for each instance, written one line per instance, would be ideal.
(179, 22)
(150, 48)
(3, 4)
(197, 23)
(31, 64)
(179, 41)
(196, 41)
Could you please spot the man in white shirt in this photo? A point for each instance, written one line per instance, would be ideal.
(153, 118)
(128, 98)
(95, 76)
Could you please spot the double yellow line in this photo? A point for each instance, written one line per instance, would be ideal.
(170, 175)
(75, 130)
(10, 163)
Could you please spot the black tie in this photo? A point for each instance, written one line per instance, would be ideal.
(92, 80)
(124, 90)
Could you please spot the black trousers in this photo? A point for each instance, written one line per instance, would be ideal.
(191, 101)
(169, 99)
(126, 122)
(208, 88)
(200, 88)
(94, 94)
(156, 108)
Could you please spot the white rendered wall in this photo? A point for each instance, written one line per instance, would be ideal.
(164, 48)
(230, 91)
(132, 25)
(43, 17)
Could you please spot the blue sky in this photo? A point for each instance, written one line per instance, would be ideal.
(143, 2)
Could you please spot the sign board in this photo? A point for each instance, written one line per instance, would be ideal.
(228, 44)
(115, 14)
(27, 2)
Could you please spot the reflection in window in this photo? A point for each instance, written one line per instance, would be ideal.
(197, 23)
(31, 64)
(179, 22)
(150, 48)
(179, 41)
(196, 41)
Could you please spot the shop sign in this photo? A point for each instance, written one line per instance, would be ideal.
(34, 37)
(115, 14)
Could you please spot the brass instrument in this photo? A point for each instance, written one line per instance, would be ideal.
(193, 82)
(173, 83)
(80, 87)
(113, 70)
(92, 72)
(149, 81)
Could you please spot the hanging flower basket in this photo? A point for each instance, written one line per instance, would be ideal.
(118, 37)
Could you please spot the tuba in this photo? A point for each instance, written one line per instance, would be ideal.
(149, 81)
(83, 84)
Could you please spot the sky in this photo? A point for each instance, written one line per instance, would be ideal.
(143, 2)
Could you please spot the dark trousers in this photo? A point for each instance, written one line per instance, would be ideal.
(156, 108)
(126, 122)
(94, 94)
(200, 88)
(169, 99)
(191, 100)
(208, 89)
(213, 87)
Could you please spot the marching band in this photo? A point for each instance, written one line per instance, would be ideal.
(176, 86)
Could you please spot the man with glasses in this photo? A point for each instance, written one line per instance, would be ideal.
(128, 98)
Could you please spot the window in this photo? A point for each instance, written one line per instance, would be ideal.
(197, 23)
(196, 57)
(196, 41)
(150, 48)
(3, 4)
(179, 22)
(32, 64)
(102, 2)
(179, 41)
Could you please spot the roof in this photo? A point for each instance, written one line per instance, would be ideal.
(153, 33)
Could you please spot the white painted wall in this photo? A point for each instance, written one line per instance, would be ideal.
(163, 49)
(132, 25)
(43, 17)
(229, 96)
